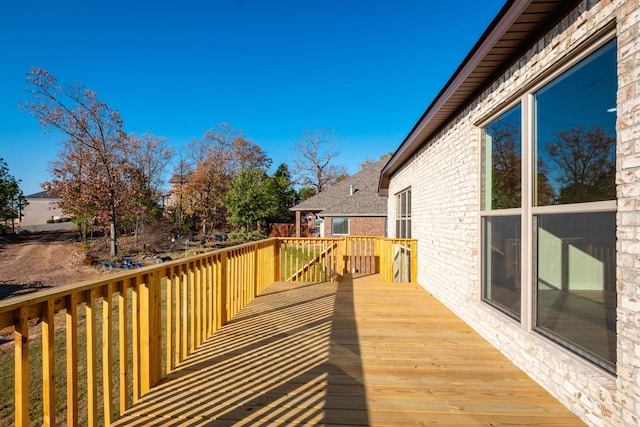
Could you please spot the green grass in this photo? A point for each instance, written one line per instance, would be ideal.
(293, 258)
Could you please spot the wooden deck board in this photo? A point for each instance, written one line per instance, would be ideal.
(361, 352)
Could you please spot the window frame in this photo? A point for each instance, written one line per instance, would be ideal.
(403, 219)
(333, 225)
(529, 209)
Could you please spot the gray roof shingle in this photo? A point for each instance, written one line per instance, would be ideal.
(340, 200)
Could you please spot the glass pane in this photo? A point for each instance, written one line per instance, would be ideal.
(576, 282)
(502, 161)
(575, 132)
(340, 226)
(501, 256)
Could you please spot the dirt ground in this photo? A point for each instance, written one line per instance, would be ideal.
(35, 261)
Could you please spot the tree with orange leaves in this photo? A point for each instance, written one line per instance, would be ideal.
(216, 158)
(92, 173)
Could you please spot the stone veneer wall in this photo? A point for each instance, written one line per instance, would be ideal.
(444, 178)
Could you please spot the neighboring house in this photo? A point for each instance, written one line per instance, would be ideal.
(351, 207)
(521, 183)
(41, 207)
(172, 198)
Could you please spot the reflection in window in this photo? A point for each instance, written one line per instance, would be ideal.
(340, 226)
(502, 263)
(576, 289)
(575, 132)
(574, 155)
(502, 161)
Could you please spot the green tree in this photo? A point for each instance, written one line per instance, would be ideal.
(216, 158)
(280, 195)
(245, 200)
(11, 198)
(305, 192)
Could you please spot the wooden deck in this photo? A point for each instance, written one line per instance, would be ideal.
(361, 352)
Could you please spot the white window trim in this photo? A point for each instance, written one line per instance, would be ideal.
(348, 226)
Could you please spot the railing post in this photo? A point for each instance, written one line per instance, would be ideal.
(150, 332)
(221, 291)
(92, 360)
(197, 308)
(48, 363)
(255, 269)
(154, 295)
(107, 353)
(72, 359)
(342, 259)
(277, 272)
(22, 367)
(376, 256)
(169, 319)
(413, 268)
(123, 344)
(136, 330)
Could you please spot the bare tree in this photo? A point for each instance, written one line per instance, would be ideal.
(367, 163)
(585, 159)
(150, 156)
(315, 153)
(93, 174)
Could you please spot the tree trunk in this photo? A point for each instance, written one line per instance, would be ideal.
(114, 243)
(135, 232)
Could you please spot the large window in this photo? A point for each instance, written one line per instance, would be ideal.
(548, 208)
(502, 263)
(576, 288)
(403, 214)
(575, 133)
(502, 199)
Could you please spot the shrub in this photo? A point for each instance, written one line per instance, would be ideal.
(246, 236)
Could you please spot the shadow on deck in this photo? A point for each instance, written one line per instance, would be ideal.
(360, 352)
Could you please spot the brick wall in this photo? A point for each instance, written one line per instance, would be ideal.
(360, 226)
(445, 182)
(367, 226)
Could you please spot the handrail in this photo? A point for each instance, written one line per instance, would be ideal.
(155, 316)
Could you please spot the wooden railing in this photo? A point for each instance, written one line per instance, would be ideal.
(332, 258)
(104, 343)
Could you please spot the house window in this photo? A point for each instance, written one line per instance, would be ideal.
(403, 214)
(502, 201)
(340, 226)
(548, 208)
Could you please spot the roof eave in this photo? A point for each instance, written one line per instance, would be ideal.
(445, 105)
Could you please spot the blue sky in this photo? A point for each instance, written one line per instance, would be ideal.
(367, 69)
